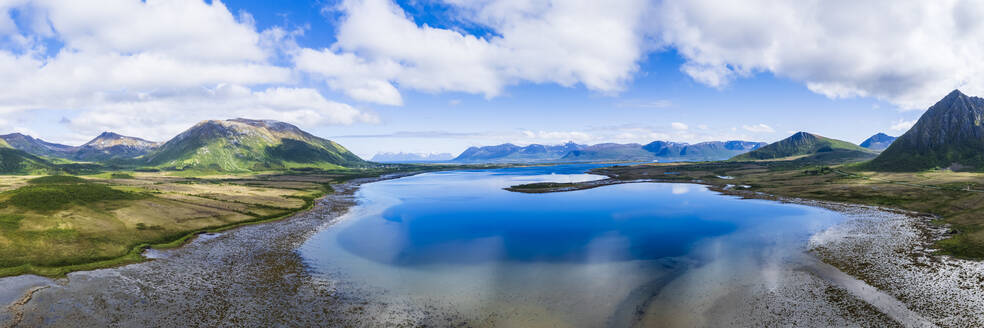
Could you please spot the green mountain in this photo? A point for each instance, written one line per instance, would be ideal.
(809, 145)
(950, 134)
(37, 147)
(14, 161)
(879, 141)
(109, 145)
(245, 145)
(106, 146)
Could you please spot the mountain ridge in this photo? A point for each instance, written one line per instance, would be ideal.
(950, 134)
(572, 152)
(803, 144)
(245, 145)
(879, 141)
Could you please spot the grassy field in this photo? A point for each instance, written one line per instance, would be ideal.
(53, 225)
(956, 197)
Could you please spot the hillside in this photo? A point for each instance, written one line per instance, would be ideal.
(36, 146)
(245, 145)
(879, 141)
(806, 144)
(949, 135)
(14, 161)
(109, 145)
(104, 147)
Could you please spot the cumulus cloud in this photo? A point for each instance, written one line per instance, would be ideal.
(378, 46)
(758, 128)
(147, 62)
(678, 126)
(153, 117)
(910, 53)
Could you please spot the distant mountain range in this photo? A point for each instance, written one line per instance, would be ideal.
(803, 144)
(411, 157)
(950, 134)
(878, 141)
(572, 152)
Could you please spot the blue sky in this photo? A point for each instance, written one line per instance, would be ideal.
(785, 106)
(665, 84)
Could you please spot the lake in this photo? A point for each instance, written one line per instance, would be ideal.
(459, 245)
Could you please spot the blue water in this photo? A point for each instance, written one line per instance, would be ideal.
(458, 238)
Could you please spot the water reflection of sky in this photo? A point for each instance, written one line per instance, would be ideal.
(451, 223)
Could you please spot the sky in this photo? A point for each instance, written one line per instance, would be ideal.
(440, 76)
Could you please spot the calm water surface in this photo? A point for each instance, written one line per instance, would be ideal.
(458, 243)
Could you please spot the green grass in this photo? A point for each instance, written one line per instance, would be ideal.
(49, 197)
(120, 175)
(57, 179)
(10, 222)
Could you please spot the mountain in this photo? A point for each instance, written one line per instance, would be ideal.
(15, 161)
(879, 141)
(609, 152)
(950, 134)
(510, 153)
(571, 152)
(244, 145)
(717, 150)
(411, 157)
(106, 146)
(109, 145)
(806, 144)
(37, 147)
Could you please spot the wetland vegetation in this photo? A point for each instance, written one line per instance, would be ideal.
(52, 225)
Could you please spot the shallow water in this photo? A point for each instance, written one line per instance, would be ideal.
(459, 244)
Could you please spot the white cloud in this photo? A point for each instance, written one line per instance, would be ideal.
(910, 53)
(378, 47)
(678, 126)
(154, 118)
(149, 64)
(758, 128)
(902, 125)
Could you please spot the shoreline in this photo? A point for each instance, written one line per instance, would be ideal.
(907, 269)
(255, 263)
(250, 274)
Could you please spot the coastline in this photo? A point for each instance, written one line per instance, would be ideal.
(888, 251)
(251, 274)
